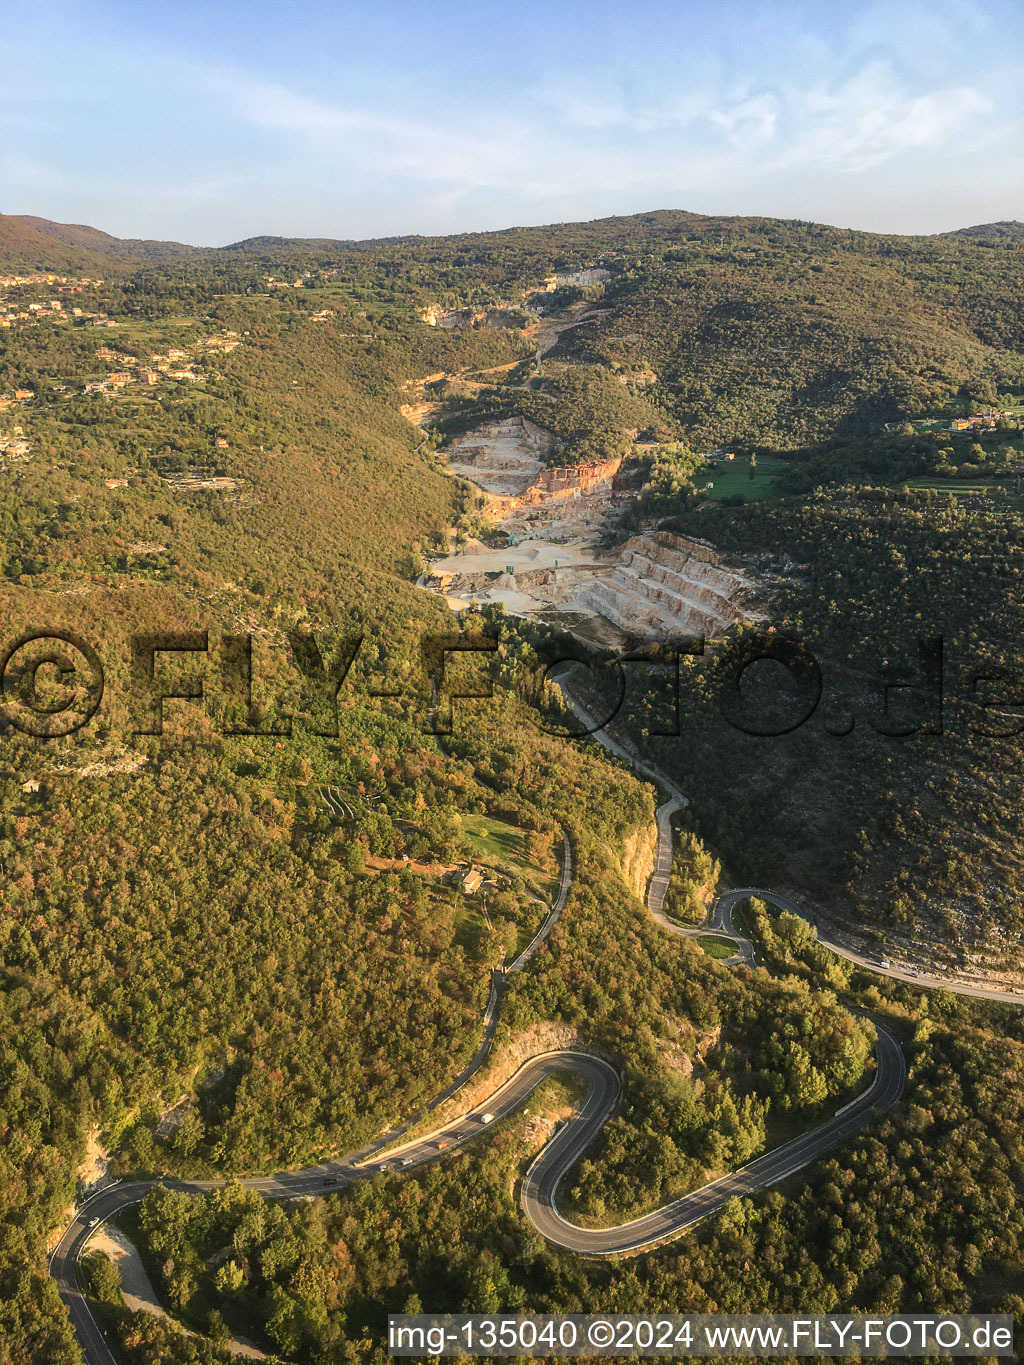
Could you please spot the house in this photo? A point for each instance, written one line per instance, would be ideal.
(977, 419)
(31, 786)
(471, 881)
(117, 483)
(220, 442)
(23, 395)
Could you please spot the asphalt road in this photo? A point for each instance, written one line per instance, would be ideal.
(720, 919)
(551, 919)
(64, 1261)
(316, 1179)
(922, 980)
(540, 1185)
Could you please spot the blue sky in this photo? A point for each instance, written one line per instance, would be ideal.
(208, 122)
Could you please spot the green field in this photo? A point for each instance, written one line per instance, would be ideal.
(503, 847)
(1001, 490)
(720, 948)
(733, 476)
(157, 334)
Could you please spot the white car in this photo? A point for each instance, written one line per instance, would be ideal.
(94, 1222)
(486, 1118)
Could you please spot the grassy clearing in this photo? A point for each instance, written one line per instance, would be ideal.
(158, 335)
(719, 948)
(732, 477)
(999, 489)
(504, 847)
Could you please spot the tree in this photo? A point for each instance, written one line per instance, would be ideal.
(217, 1329)
(103, 1278)
(229, 1278)
(188, 1134)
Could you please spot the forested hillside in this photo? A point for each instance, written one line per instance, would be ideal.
(207, 968)
(893, 809)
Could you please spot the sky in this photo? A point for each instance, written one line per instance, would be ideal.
(211, 121)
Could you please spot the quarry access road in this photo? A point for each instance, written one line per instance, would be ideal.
(540, 1185)
(925, 981)
(108, 1203)
(657, 888)
(720, 922)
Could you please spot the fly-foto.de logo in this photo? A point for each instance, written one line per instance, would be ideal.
(764, 684)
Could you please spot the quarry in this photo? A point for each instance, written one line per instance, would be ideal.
(502, 458)
(556, 564)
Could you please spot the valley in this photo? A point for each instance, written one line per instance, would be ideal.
(302, 920)
(541, 1182)
(511, 683)
(558, 522)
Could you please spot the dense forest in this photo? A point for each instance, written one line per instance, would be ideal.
(863, 1228)
(893, 802)
(205, 969)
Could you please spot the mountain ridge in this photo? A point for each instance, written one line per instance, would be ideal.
(34, 236)
(89, 238)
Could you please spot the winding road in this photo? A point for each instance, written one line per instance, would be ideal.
(540, 1185)
(920, 979)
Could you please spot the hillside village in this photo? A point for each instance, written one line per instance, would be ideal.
(118, 370)
(181, 365)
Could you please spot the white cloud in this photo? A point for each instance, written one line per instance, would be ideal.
(750, 124)
(785, 116)
(595, 142)
(824, 117)
(873, 116)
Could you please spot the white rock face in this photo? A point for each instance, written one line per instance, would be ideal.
(656, 585)
(663, 583)
(504, 457)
